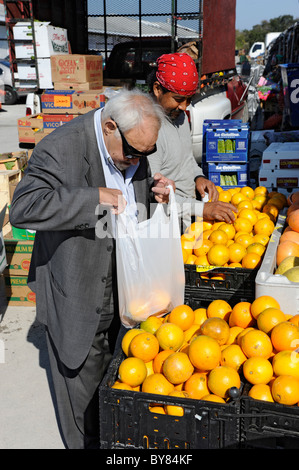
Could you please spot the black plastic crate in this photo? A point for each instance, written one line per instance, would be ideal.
(127, 422)
(267, 425)
(234, 282)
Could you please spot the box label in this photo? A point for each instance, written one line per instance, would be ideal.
(287, 182)
(62, 101)
(285, 164)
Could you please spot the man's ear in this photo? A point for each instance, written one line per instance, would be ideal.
(157, 89)
(109, 127)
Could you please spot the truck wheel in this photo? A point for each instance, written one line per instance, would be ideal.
(10, 95)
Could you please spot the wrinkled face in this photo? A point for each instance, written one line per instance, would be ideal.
(172, 103)
(137, 142)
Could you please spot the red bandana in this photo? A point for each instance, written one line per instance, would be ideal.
(177, 73)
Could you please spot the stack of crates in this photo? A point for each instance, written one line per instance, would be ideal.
(280, 167)
(225, 159)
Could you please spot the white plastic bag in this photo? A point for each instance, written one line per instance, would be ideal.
(150, 267)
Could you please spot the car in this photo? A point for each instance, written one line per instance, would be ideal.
(11, 95)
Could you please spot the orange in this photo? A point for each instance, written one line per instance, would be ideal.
(191, 259)
(216, 225)
(251, 261)
(285, 249)
(256, 343)
(214, 398)
(202, 246)
(237, 251)
(294, 319)
(219, 308)
(293, 220)
(261, 392)
(216, 328)
(145, 346)
(159, 360)
(127, 338)
(221, 379)
(170, 336)
(157, 409)
(242, 224)
(200, 315)
(264, 226)
(235, 265)
(151, 324)
(183, 316)
(261, 190)
(174, 410)
(257, 370)
(206, 233)
(242, 333)
(285, 336)
(261, 303)
(218, 237)
(233, 333)
(241, 315)
(195, 230)
(150, 367)
(229, 230)
(218, 255)
(233, 356)
(197, 385)
(268, 318)
(248, 214)
(121, 386)
(259, 201)
(260, 238)
(248, 192)
(186, 254)
(277, 202)
(132, 371)
(193, 331)
(187, 246)
(286, 363)
(271, 209)
(157, 383)
(285, 390)
(257, 248)
(290, 235)
(202, 260)
(207, 225)
(244, 239)
(238, 197)
(225, 196)
(246, 204)
(204, 352)
(177, 368)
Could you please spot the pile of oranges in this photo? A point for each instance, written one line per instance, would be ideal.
(205, 353)
(238, 244)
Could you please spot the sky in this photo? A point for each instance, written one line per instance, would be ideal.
(253, 12)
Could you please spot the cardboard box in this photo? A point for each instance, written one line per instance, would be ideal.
(52, 121)
(77, 68)
(28, 72)
(49, 40)
(226, 144)
(227, 175)
(281, 156)
(68, 101)
(18, 254)
(27, 127)
(280, 179)
(13, 160)
(17, 292)
(8, 182)
(85, 86)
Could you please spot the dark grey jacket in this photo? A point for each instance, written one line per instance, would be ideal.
(58, 196)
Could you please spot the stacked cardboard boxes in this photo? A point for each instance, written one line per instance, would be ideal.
(49, 40)
(225, 155)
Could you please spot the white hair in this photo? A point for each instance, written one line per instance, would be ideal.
(129, 108)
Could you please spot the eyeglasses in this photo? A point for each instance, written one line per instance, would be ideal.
(129, 151)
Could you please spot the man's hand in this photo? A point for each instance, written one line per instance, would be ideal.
(206, 186)
(112, 198)
(160, 188)
(220, 211)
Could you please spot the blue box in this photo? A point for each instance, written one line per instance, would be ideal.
(227, 175)
(227, 143)
(290, 83)
(213, 123)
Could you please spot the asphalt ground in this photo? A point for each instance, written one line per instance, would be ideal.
(27, 409)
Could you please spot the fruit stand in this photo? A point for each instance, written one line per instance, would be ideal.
(222, 369)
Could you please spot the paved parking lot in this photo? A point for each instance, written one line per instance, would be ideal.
(27, 414)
